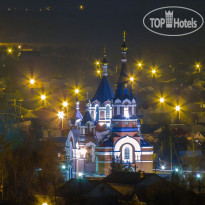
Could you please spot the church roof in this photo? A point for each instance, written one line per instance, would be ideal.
(104, 91)
(87, 117)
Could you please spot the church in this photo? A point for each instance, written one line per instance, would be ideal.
(109, 132)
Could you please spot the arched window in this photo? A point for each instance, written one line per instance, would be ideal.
(107, 111)
(97, 112)
(127, 153)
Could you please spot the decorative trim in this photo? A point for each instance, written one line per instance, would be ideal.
(103, 153)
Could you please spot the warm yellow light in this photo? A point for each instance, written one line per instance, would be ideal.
(98, 71)
(97, 63)
(9, 50)
(131, 79)
(177, 108)
(32, 81)
(197, 65)
(43, 97)
(139, 64)
(44, 203)
(81, 7)
(161, 100)
(65, 104)
(19, 46)
(153, 71)
(77, 91)
(61, 114)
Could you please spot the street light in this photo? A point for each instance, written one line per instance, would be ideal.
(81, 7)
(177, 108)
(161, 100)
(43, 97)
(9, 51)
(77, 91)
(139, 64)
(163, 167)
(131, 79)
(44, 203)
(198, 66)
(65, 104)
(176, 169)
(61, 115)
(32, 81)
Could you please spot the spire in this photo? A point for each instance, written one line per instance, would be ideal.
(104, 64)
(123, 88)
(78, 113)
(104, 91)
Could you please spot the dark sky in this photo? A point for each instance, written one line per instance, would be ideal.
(85, 33)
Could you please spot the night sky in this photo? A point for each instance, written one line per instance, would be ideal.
(78, 36)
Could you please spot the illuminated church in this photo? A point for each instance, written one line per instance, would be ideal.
(109, 131)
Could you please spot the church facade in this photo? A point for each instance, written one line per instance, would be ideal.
(109, 132)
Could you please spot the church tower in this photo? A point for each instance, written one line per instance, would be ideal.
(100, 105)
(128, 145)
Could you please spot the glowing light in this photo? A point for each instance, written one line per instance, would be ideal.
(198, 175)
(77, 91)
(63, 166)
(139, 64)
(65, 104)
(32, 81)
(176, 169)
(97, 62)
(197, 65)
(177, 108)
(83, 151)
(43, 97)
(161, 100)
(131, 79)
(163, 167)
(9, 50)
(44, 203)
(80, 174)
(81, 7)
(101, 123)
(61, 114)
(19, 46)
(98, 71)
(153, 71)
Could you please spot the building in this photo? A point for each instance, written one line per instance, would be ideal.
(109, 132)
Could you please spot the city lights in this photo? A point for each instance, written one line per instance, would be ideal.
(9, 51)
(19, 46)
(153, 71)
(139, 64)
(43, 97)
(161, 100)
(131, 79)
(65, 104)
(61, 114)
(44, 203)
(81, 7)
(198, 66)
(97, 62)
(163, 167)
(176, 169)
(98, 71)
(32, 81)
(77, 91)
(177, 108)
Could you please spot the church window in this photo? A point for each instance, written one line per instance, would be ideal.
(126, 112)
(127, 153)
(102, 114)
(97, 112)
(107, 112)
